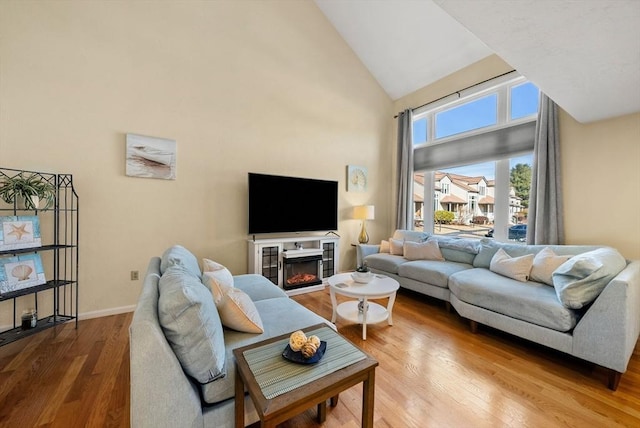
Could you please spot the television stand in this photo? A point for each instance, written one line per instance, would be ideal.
(298, 264)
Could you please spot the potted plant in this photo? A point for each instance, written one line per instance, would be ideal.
(364, 268)
(363, 274)
(32, 189)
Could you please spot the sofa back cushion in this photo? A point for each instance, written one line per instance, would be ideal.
(581, 279)
(410, 235)
(458, 250)
(191, 324)
(179, 255)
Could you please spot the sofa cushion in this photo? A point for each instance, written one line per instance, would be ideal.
(581, 279)
(384, 246)
(238, 312)
(257, 287)
(518, 268)
(191, 324)
(544, 263)
(271, 311)
(527, 301)
(431, 272)
(179, 255)
(384, 262)
(428, 250)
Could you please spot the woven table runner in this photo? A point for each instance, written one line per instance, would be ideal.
(275, 375)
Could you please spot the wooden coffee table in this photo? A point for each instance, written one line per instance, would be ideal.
(297, 387)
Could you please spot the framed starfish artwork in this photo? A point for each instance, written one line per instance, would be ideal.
(18, 232)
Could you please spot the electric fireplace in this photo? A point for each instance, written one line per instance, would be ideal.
(302, 268)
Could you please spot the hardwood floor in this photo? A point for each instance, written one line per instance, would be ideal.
(433, 372)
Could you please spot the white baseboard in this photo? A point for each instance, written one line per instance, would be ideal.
(89, 315)
(106, 312)
(303, 290)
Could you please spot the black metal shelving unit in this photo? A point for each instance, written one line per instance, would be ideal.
(56, 301)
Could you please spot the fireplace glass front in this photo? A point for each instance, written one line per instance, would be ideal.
(302, 272)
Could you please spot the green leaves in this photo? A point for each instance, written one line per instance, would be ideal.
(27, 187)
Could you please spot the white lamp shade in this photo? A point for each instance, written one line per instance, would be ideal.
(364, 212)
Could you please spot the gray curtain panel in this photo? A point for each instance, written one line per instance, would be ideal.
(404, 217)
(545, 224)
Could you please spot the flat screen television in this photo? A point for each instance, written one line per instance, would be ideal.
(290, 204)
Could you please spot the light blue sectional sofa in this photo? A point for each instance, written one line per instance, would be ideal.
(589, 307)
(182, 365)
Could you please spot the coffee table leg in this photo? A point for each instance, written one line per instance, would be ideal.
(322, 411)
(365, 308)
(334, 400)
(392, 299)
(239, 407)
(334, 303)
(368, 398)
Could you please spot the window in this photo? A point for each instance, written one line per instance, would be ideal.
(524, 100)
(471, 115)
(420, 131)
(473, 204)
(465, 165)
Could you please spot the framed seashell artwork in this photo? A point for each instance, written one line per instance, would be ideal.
(17, 273)
(18, 232)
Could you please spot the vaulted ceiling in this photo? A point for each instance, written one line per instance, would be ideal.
(584, 54)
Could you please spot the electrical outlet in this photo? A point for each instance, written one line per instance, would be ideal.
(134, 275)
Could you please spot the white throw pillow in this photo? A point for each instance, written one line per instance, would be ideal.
(396, 247)
(217, 286)
(217, 271)
(237, 311)
(544, 263)
(517, 268)
(384, 246)
(422, 250)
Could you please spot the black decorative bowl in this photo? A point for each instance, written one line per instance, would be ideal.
(297, 357)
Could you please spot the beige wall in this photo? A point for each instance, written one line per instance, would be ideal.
(601, 182)
(242, 86)
(600, 166)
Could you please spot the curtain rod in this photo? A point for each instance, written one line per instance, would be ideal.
(458, 91)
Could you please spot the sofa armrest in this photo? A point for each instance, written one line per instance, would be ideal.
(608, 331)
(364, 250)
(156, 375)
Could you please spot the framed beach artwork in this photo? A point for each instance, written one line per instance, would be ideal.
(18, 232)
(17, 273)
(151, 157)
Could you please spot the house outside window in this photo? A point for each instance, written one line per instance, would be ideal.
(460, 159)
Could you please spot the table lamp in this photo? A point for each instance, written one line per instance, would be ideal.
(364, 213)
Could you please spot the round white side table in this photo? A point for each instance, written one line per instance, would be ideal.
(362, 311)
